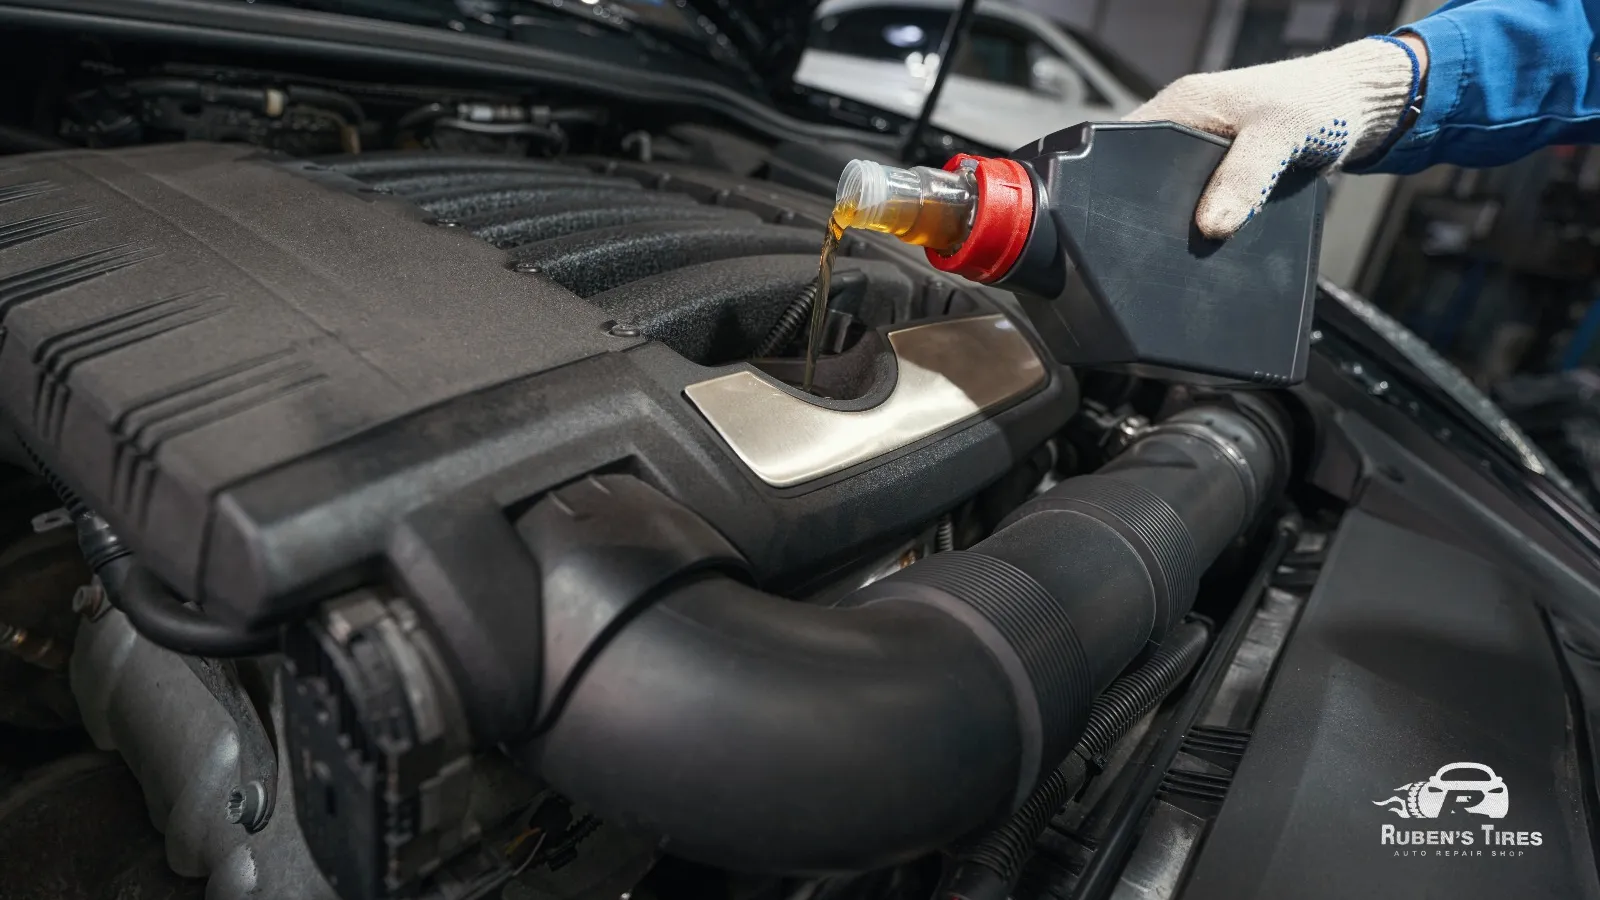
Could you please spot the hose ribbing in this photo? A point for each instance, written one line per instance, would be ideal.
(789, 321)
(990, 865)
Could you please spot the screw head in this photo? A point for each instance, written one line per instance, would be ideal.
(89, 600)
(623, 330)
(247, 805)
(527, 268)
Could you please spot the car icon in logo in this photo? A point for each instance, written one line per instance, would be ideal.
(1462, 787)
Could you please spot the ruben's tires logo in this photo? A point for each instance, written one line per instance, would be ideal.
(1458, 788)
(1455, 795)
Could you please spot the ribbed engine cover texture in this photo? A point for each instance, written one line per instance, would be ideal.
(256, 368)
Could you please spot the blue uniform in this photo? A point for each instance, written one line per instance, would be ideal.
(1505, 77)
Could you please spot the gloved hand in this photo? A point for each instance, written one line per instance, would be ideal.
(1317, 111)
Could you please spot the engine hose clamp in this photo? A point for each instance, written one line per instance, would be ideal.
(1095, 764)
(1234, 456)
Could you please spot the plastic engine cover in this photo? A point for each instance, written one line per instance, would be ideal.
(256, 368)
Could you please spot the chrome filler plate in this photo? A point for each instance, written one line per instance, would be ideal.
(948, 372)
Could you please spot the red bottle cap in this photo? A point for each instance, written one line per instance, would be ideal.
(1001, 222)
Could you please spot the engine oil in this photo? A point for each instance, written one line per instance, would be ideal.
(922, 206)
(843, 212)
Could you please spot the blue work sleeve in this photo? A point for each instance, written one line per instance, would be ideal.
(1505, 78)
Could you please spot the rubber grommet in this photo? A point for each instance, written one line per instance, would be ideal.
(1001, 221)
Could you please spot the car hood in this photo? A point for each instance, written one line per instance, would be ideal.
(762, 39)
(769, 35)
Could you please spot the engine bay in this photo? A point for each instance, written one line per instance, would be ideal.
(409, 493)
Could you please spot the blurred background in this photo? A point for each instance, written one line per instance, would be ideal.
(1495, 268)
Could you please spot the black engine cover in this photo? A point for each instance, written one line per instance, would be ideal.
(255, 368)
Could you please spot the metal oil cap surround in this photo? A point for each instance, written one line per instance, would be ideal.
(948, 372)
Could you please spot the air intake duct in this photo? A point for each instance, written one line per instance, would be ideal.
(762, 734)
(650, 681)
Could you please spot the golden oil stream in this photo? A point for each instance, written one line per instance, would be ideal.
(842, 215)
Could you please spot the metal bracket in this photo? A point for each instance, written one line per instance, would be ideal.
(253, 800)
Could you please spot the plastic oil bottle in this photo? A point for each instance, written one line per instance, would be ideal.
(1092, 229)
(922, 206)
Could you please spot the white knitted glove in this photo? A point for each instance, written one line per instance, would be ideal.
(1316, 111)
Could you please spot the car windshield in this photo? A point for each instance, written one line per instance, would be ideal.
(1465, 775)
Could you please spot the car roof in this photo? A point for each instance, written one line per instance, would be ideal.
(1480, 767)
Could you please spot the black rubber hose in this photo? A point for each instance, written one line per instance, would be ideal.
(933, 701)
(989, 867)
(332, 101)
(165, 621)
(251, 98)
(1103, 871)
(151, 609)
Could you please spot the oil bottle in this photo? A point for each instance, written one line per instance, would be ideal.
(1092, 228)
(923, 206)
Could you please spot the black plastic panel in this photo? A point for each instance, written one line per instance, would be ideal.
(1411, 655)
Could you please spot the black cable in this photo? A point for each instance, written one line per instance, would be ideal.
(989, 867)
(1133, 695)
(944, 539)
(1103, 870)
(789, 321)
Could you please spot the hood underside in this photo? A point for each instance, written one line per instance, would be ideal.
(762, 39)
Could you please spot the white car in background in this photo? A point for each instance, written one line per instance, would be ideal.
(1018, 75)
